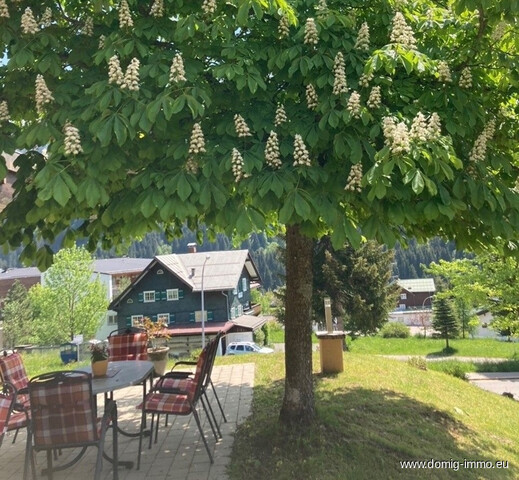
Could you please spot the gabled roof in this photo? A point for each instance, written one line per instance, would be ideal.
(418, 285)
(120, 265)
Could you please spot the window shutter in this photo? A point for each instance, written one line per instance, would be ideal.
(163, 295)
(210, 316)
(171, 318)
(154, 318)
(192, 317)
(128, 321)
(141, 297)
(157, 295)
(180, 293)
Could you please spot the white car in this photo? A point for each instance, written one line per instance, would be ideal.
(239, 348)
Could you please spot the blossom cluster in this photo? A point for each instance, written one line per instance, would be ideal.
(479, 150)
(434, 126)
(365, 78)
(281, 116)
(354, 179)
(28, 22)
(192, 165)
(354, 106)
(46, 18)
(272, 154)
(197, 140)
(321, 8)
(498, 32)
(237, 165)
(43, 94)
(311, 97)
(101, 44)
(466, 78)
(401, 32)
(396, 135)
(362, 42)
(4, 11)
(419, 129)
(339, 81)
(444, 72)
(131, 77)
(177, 72)
(311, 35)
(88, 27)
(72, 140)
(283, 27)
(242, 129)
(115, 73)
(4, 112)
(301, 156)
(375, 98)
(125, 17)
(157, 9)
(209, 7)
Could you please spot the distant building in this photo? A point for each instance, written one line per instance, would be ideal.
(415, 293)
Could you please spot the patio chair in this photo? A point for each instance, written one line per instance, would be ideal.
(63, 415)
(128, 344)
(174, 401)
(9, 418)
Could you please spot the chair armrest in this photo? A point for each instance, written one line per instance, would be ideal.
(178, 374)
(158, 387)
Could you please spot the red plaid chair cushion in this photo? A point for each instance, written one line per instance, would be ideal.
(167, 403)
(13, 371)
(5, 411)
(62, 412)
(9, 419)
(128, 346)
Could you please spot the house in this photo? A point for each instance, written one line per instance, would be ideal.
(173, 287)
(415, 293)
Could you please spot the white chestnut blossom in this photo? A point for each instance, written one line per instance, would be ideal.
(197, 140)
(272, 154)
(177, 72)
(365, 78)
(301, 156)
(283, 27)
(444, 72)
(237, 165)
(499, 31)
(192, 165)
(115, 73)
(46, 18)
(209, 7)
(281, 116)
(311, 35)
(354, 179)
(419, 128)
(4, 112)
(242, 129)
(4, 11)
(101, 44)
(434, 127)
(479, 150)
(339, 80)
(354, 106)
(375, 98)
(321, 8)
(131, 77)
(72, 140)
(125, 17)
(401, 32)
(88, 27)
(396, 135)
(43, 94)
(157, 9)
(311, 97)
(28, 22)
(362, 42)
(466, 78)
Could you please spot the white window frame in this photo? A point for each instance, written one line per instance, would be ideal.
(172, 294)
(111, 318)
(244, 284)
(240, 310)
(137, 319)
(163, 317)
(402, 306)
(146, 296)
(403, 296)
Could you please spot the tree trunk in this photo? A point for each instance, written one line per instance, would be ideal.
(298, 403)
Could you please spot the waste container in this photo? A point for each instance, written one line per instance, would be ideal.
(69, 352)
(331, 352)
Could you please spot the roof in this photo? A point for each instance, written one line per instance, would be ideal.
(209, 328)
(417, 285)
(14, 273)
(250, 321)
(121, 265)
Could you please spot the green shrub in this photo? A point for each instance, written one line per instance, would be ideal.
(417, 362)
(266, 330)
(394, 330)
(452, 367)
(259, 337)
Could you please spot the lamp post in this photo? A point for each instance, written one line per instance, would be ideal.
(207, 257)
(424, 319)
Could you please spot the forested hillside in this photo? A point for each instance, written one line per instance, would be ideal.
(266, 254)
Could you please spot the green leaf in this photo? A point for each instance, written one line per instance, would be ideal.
(301, 206)
(418, 183)
(120, 130)
(287, 210)
(60, 191)
(183, 187)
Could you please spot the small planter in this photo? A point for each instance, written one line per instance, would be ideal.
(99, 368)
(159, 357)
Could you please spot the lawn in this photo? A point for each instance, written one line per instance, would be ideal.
(429, 346)
(374, 415)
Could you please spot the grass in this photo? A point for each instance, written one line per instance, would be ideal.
(430, 347)
(374, 415)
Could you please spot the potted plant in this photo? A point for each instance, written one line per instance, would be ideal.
(99, 358)
(157, 352)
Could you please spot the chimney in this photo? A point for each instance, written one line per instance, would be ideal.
(191, 247)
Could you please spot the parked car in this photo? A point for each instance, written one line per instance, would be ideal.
(238, 348)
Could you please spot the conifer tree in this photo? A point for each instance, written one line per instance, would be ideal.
(444, 320)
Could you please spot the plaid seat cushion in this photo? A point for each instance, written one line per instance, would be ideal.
(5, 407)
(13, 371)
(63, 414)
(128, 346)
(167, 403)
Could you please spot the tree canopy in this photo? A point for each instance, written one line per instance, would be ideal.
(386, 120)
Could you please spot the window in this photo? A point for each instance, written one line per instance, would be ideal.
(235, 291)
(240, 294)
(244, 284)
(403, 296)
(163, 317)
(149, 296)
(198, 316)
(240, 310)
(137, 319)
(172, 294)
(402, 306)
(111, 318)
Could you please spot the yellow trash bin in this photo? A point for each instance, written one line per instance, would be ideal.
(330, 350)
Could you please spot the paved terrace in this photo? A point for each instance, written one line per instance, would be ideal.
(179, 454)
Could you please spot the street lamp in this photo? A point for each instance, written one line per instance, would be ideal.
(207, 257)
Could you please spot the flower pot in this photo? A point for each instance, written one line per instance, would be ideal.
(159, 357)
(99, 368)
